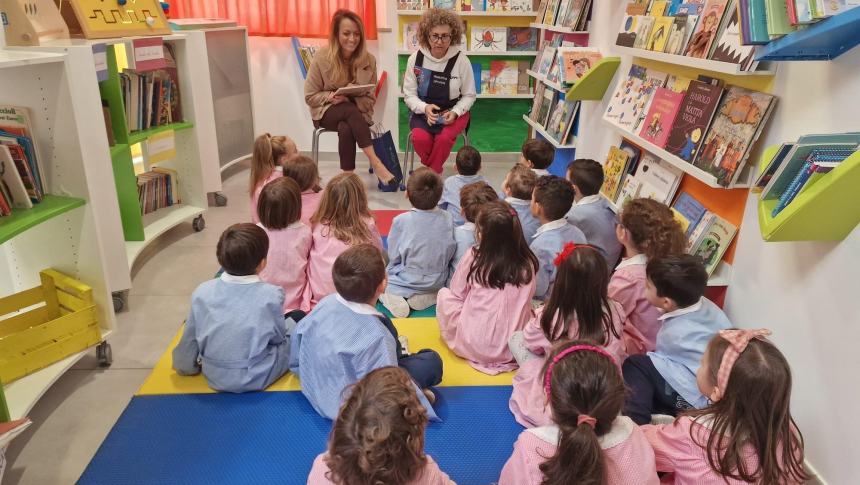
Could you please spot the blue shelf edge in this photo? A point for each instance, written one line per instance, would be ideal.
(822, 41)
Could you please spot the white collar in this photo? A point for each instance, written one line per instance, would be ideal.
(515, 201)
(621, 429)
(435, 209)
(682, 311)
(549, 226)
(468, 226)
(360, 308)
(540, 172)
(239, 280)
(589, 199)
(294, 225)
(633, 260)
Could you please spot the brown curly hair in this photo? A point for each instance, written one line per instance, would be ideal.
(653, 228)
(378, 436)
(435, 17)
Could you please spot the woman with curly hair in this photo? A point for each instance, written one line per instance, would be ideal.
(343, 62)
(439, 86)
(378, 437)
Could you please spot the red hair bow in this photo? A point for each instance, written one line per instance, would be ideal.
(566, 250)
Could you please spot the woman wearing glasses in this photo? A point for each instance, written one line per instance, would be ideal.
(343, 62)
(439, 86)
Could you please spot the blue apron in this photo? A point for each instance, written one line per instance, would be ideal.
(433, 88)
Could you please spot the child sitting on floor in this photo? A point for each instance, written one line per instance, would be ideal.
(289, 242)
(468, 163)
(591, 212)
(517, 188)
(578, 308)
(746, 434)
(588, 441)
(664, 381)
(342, 220)
(267, 160)
(490, 294)
(551, 200)
(344, 337)
(420, 247)
(378, 437)
(235, 332)
(537, 155)
(472, 200)
(647, 230)
(305, 172)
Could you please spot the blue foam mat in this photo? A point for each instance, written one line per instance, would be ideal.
(273, 437)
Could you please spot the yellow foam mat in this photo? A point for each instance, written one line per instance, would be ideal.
(423, 333)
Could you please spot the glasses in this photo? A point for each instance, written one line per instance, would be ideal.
(440, 37)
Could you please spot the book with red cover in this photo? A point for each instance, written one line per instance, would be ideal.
(661, 116)
(694, 117)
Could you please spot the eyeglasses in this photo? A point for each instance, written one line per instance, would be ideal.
(440, 37)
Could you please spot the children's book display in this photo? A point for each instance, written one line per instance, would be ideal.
(504, 77)
(556, 115)
(574, 62)
(157, 189)
(22, 179)
(413, 4)
(630, 172)
(410, 38)
(492, 39)
(151, 98)
(571, 14)
(708, 235)
(707, 124)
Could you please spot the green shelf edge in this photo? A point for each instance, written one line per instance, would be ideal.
(593, 86)
(139, 136)
(23, 219)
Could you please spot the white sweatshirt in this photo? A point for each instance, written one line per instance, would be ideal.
(462, 80)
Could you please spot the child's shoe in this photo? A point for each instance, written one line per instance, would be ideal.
(421, 301)
(395, 304)
(429, 395)
(404, 344)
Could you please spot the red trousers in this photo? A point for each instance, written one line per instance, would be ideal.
(433, 149)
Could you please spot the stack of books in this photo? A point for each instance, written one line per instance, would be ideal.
(708, 235)
(157, 189)
(151, 98)
(22, 179)
(708, 124)
(631, 172)
(571, 14)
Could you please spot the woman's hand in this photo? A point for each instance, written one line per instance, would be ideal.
(449, 117)
(432, 112)
(336, 98)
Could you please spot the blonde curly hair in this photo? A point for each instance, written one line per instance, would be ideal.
(435, 17)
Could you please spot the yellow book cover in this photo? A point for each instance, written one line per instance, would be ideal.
(685, 224)
(660, 33)
(613, 170)
(658, 8)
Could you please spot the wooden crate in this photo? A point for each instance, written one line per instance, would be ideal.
(46, 324)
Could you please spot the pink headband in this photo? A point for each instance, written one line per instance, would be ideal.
(738, 340)
(564, 353)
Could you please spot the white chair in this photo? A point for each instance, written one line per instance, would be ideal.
(409, 155)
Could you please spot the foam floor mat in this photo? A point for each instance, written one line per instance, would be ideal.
(273, 437)
(422, 333)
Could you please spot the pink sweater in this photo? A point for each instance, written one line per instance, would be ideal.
(641, 323)
(276, 174)
(528, 400)
(477, 322)
(324, 250)
(287, 262)
(310, 202)
(629, 458)
(431, 475)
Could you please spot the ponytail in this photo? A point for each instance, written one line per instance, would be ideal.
(578, 458)
(262, 161)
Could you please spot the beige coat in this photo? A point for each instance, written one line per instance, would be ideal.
(319, 86)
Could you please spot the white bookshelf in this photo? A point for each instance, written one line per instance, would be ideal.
(494, 96)
(10, 59)
(694, 62)
(406, 52)
(157, 223)
(553, 85)
(418, 13)
(557, 28)
(540, 129)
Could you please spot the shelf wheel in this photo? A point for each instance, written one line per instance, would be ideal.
(198, 224)
(120, 301)
(220, 199)
(104, 354)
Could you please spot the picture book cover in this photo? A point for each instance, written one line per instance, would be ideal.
(536, 102)
(675, 42)
(489, 39)
(446, 4)
(715, 242)
(410, 36)
(501, 78)
(561, 13)
(693, 119)
(561, 121)
(523, 78)
(692, 7)
(661, 115)
(613, 171)
(627, 32)
(737, 122)
(575, 62)
(472, 5)
(637, 7)
(515, 5)
(690, 209)
(413, 4)
(551, 9)
(632, 95)
(698, 232)
(644, 26)
(659, 178)
(660, 34)
(18, 120)
(692, 22)
(653, 80)
(574, 14)
(629, 191)
(729, 47)
(711, 16)
(546, 60)
(547, 102)
(658, 8)
(679, 84)
(634, 152)
(522, 39)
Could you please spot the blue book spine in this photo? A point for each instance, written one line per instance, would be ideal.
(476, 72)
(758, 22)
(795, 187)
(691, 209)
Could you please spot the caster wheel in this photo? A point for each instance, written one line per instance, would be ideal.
(402, 187)
(104, 354)
(198, 224)
(370, 170)
(220, 199)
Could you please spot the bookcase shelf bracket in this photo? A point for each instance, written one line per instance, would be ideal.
(823, 41)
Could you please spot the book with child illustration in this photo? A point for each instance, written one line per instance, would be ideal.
(707, 29)
(698, 107)
(575, 62)
(631, 98)
(690, 209)
(661, 116)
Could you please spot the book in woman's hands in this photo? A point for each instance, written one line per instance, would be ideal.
(355, 90)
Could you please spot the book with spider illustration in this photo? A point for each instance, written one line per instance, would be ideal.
(489, 39)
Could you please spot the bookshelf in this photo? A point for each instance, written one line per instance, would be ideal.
(493, 96)
(709, 65)
(557, 28)
(822, 41)
(540, 129)
(62, 231)
(542, 79)
(418, 13)
(406, 52)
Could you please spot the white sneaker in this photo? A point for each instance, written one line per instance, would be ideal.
(421, 301)
(404, 344)
(395, 304)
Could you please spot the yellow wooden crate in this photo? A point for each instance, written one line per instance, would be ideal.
(46, 324)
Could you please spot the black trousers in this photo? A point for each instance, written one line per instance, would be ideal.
(351, 127)
(650, 393)
(425, 366)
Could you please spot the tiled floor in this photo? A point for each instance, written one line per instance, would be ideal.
(76, 414)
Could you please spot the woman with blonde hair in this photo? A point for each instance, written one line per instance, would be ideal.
(343, 62)
(439, 86)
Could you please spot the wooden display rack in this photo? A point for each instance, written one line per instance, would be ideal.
(104, 19)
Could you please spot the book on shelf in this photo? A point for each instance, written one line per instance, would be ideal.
(157, 189)
(631, 100)
(819, 161)
(613, 171)
(561, 121)
(697, 109)
(629, 191)
(661, 115)
(551, 11)
(523, 79)
(489, 39)
(16, 193)
(659, 179)
(16, 129)
(445, 4)
(644, 25)
(660, 34)
(546, 60)
(410, 36)
(151, 98)
(778, 23)
(627, 32)
(537, 101)
(574, 14)
(714, 242)
(634, 152)
(772, 166)
(413, 4)
(729, 47)
(795, 158)
(706, 30)
(737, 123)
(521, 39)
(757, 22)
(477, 72)
(675, 39)
(503, 77)
(575, 62)
(546, 104)
(658, 8)
(678, 84)
(690, 209)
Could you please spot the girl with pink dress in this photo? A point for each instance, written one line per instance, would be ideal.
(378, 437)
(747, 434)
(490, 293)
(647, 230)
(305, 172)
(588, 441)
(342, 220)
(266, 160)
(578, 308)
